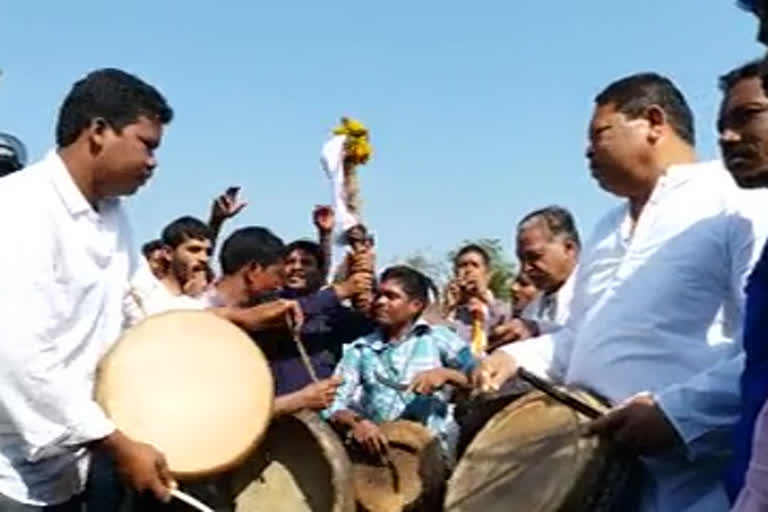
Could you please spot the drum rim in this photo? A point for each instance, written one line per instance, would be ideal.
(270, 392)
(333, 448)
(491, 423)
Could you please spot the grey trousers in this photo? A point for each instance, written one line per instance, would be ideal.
(9, 505)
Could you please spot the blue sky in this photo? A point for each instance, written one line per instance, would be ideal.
(478, 110)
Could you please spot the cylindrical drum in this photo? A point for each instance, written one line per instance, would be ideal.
(532, 456)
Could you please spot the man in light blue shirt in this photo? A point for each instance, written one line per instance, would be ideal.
(399, 370)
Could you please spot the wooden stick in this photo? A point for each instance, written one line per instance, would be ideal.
(191, 501)
(302, 349)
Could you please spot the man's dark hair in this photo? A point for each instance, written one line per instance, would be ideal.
(148, 248)
(416, 285)
(183, 229)
(251, 245)
(13, 154)
(476, 249)
(747, 71)
(632, 95)
(558, 220)
(115, 96)
(310, 247)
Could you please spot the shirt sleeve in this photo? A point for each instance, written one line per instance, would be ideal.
(546, 356)
(704, 408)
(454, 352)
(38, 384)
(349, 370)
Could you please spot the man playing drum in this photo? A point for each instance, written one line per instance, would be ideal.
(397, 371)
(62, 294)
(658, 300)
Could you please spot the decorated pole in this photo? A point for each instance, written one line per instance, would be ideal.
(348, 149)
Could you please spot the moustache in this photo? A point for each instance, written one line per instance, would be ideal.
(741, 150)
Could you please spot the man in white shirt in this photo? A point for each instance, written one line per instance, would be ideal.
(186, 249)
(658, 301)
(62, 296)
(548, 249)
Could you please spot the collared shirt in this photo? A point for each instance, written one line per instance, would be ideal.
(659, 309)
(497, 312)
(550, 310)
(65, 271)
(754, 494)
(148, 296)
(371, 365)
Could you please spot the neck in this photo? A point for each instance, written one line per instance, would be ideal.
(232, 290)
(172, 283)
(82, 174)
(397, 332)
(677, 153)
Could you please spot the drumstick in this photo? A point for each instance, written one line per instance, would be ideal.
(302, 349)
(564, 398)
(191, 501)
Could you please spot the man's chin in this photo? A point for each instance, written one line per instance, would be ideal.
(752, 180)
(296, 284)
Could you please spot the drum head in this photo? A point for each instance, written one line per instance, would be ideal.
(193, 385)
(530, 454)
(414, 481)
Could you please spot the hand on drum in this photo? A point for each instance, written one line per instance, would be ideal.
(368, 435)
(639, 424)
(141, 465)
(493, 372)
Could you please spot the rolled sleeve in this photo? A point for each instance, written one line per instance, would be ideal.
(546, 355)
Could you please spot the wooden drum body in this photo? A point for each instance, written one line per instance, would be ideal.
(531, 456)
(415, 479)
(301, 466)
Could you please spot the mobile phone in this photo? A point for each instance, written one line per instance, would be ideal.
(232, 192)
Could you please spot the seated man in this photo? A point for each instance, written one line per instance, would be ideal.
(397, 371)
(659, 298)
(186, 249)
(468, 302)
(548, 249)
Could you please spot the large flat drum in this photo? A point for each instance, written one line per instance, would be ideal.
(193, 385)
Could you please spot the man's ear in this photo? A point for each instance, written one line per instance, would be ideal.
(657, 120)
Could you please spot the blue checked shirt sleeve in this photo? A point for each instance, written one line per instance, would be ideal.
(454, 352)
(349, 370)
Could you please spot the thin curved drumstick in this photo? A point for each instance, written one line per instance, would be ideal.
(191, 501)
(302, 349)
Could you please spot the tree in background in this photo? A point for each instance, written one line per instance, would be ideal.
(438, 271)
(502, 267)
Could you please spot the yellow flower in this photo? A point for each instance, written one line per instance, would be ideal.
(358, 147)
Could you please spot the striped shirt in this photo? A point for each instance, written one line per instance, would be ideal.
(370, 366)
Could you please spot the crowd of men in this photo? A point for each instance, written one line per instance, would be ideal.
(661, 312)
